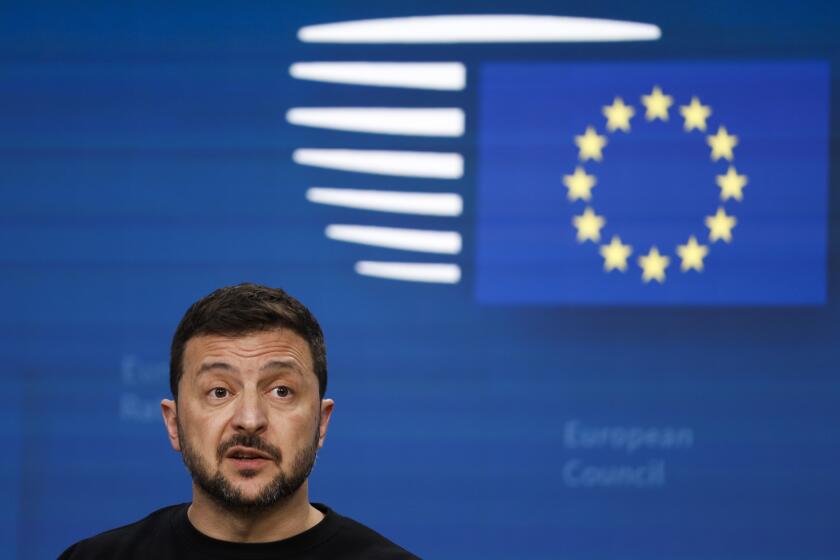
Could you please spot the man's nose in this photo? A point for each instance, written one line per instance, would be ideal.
(250, 414)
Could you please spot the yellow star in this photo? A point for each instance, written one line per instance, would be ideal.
(615, 255)
(731, 184)
(692, 255)
(653, 265)
(695, 115)
(618, 115)
(580, 184)
(722, 144)
(720, 226)
(657, 104)
(590, 144)
(588, 226)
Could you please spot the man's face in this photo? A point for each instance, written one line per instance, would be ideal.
(249, 417)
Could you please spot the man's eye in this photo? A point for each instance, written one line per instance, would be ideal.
(218, 392)
(282, 391)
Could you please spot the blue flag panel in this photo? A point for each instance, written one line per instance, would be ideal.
(698, 183)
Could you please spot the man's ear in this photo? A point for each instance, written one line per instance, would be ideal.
(327, 406)
(170, 419)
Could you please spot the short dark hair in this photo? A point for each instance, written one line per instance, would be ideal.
(244, 309)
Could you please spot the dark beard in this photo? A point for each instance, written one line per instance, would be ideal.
(229, 497)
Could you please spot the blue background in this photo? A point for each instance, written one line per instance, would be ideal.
(655, 183)
(145, 160)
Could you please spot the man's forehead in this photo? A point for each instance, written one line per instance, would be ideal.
(273, 348)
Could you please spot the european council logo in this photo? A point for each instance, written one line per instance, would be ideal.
(693, 183)
(674, 183)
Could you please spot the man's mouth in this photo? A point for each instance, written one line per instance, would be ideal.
(248, 458)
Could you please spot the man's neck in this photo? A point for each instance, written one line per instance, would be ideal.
(287, 518)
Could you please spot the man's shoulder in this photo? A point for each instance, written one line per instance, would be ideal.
(357, 540)
(154, 536)
(123, 542)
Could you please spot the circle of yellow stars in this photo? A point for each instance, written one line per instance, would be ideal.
(591, 145)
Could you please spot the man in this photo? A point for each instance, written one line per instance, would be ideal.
(248, 373)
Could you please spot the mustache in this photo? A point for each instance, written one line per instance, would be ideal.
(248, 440)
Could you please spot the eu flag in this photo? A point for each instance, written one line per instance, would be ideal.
(692, 183)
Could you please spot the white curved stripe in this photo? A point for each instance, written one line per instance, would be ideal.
(435, 165)
(448, 122)
(422, 203)
(437, 273)
(448, 76)
(479, 29)
(426, 241)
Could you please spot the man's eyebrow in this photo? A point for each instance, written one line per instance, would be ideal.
(282, 364)
(216, 365)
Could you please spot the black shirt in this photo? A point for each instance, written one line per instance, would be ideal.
(167, 534)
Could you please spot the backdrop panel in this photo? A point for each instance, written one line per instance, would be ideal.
(547, 395)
